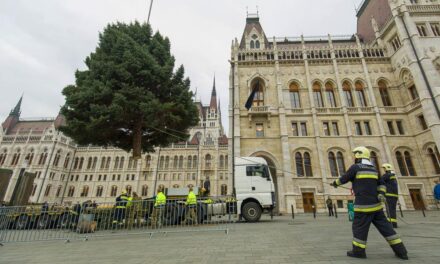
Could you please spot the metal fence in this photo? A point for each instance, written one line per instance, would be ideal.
(44, 223)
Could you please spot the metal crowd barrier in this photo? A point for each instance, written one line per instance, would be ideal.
(83, 222)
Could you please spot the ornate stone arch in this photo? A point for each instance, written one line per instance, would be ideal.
(302, 150)
(266, 154)
(257, 75)
(406, 76)
(429, 144)
(383, 79)
(336, 149)
(296, 81)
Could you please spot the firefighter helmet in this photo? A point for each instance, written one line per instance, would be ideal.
(387, 167)
(124, 192)
(361, 153)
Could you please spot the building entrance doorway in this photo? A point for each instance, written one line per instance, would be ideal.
(308, 201)
(417, 199)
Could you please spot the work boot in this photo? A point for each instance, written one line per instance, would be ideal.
(400, 251)
(357, 254)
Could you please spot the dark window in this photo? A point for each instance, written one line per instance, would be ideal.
(358, 128)
(299, 165)
(362, 100)
(422, 122)
(303, 129)
(434, 158)
(340, 203)
(335, 128)
(259, 129)
(330, 94)
(333, 165)
(391, 127)
(294, 96)
(259, 93)
(400, 128)
(260, 171)
(409, 164)
(295, 129)
(326, 128)
(375, 160)
(341, 164)
(413, 92)
(348, 95)
(384, 94)
(367, 128)
(308, 164)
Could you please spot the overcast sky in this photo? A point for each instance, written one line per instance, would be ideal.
(43, 42)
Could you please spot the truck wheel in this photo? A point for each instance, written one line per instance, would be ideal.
(251, 212)
(22, 222)
(43, 221)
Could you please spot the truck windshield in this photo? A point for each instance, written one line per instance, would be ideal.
(259, 170)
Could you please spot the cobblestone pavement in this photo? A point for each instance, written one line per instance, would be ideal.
(303, 240)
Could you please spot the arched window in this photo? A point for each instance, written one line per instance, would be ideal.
(257, 44)
(374, 159)
(295, 100)
(176, 186)
(3, 156)
(329, 91)
(161, 162)
(128, 188)
(252, 44)
(195, 161)
(221, 162)
(76, 164)
(167, 162)
(435, 159)
(317, 95)
(130, 162)
(333, 165)
(405, 163)
(47, 192)
(148, 161)
(99, 191)
(346, 87)
(89, 163)
(189, 162)
(409, 164)
(383, 90)
(60, 187)
(43, 157)
(308, 164)
(81, 162)
(208, 161)
(95, 160)
(341, 163)
(175, 161)
(29, 157)
(66, 161)
(121, 164)
(107, 164)
(102, 163)
(57, 158)
(226, 161)
(362, 100)
(144, 190)
(258, 87)
(224, 189)
(114, 191)
(299, 165)
(116, 163)
(85, 191)
(71, 191)
(15, 158)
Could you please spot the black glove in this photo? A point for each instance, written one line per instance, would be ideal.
(334, 184)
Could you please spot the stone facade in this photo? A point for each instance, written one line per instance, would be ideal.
(67, 173)
(319, 97)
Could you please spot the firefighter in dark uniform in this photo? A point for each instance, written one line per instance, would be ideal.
(392, 194)
(369, 192)
(121, 206)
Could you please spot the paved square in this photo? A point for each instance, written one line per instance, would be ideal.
(305, 240)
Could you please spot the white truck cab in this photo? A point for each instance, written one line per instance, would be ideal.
(254, 188)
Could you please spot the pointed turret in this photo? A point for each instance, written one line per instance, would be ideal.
(253, 35)
(13, 118)
(213, 103)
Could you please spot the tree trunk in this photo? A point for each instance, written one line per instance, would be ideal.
(137, 140)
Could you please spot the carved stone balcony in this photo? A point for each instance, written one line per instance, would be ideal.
(259, 111)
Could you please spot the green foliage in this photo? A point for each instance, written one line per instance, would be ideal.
(129, 92)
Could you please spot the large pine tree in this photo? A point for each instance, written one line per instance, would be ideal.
(129, 96)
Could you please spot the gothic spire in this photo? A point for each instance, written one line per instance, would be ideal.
(213, 103)
(17, 110)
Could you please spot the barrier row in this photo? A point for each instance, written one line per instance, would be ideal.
(44, 223)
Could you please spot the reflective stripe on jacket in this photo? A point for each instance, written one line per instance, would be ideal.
(390, 182)
(366, 187)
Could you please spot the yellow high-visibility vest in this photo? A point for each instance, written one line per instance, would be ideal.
(161, 199)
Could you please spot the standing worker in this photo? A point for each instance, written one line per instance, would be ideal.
(191, 205)
(392, 194)
(369, 194)
(329, 203)
(437, 193)
(121, 206)
(159, 206)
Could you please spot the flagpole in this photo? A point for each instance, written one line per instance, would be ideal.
(149, 12)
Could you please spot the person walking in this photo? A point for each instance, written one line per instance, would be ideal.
(329, 203)
(369, 191)
(436, 192)
(191, 206)
(392, 194)
(159, 207)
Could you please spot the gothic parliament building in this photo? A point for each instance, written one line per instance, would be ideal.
(67, 173)
(316, 98)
